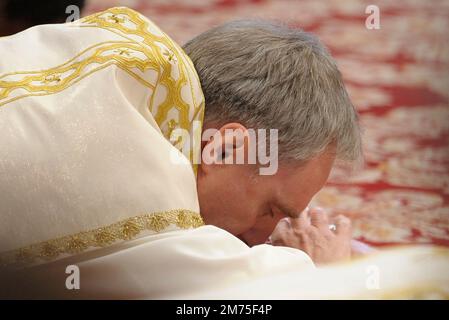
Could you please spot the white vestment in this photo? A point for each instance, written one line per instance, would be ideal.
(87, 178)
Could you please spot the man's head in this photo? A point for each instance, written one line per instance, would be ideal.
(262, 75)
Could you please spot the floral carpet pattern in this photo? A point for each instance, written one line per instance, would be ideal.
(397, 77)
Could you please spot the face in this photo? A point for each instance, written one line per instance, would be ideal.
(236, 198)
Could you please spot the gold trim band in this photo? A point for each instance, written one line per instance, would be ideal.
(123, 230)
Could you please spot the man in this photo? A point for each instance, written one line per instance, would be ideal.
(90, 182)
(256, 74)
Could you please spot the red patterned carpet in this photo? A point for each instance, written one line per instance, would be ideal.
(398, 79)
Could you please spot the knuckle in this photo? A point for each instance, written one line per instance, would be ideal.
(301, 234)
(284, 237)
(329, 236)
(279, 239)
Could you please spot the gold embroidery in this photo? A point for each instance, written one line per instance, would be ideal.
(139, 52)
(67, 62)
(124, 230)
(170, 55)
(160, 54)
(51, 81)
(165, 56)
(51, 78)
(116, 19)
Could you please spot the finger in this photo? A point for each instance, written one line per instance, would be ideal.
(282, 226)
(343, 226)
(318, 218)
(281, 230)
(302, 221)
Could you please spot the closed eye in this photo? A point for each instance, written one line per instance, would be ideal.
(269, 211)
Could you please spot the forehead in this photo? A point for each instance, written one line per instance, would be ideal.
(298, 184)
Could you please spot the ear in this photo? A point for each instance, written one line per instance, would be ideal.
(226, 145)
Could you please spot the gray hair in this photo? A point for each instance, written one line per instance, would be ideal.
(266, 75)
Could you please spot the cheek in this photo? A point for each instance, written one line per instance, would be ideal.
(231, 201)
(248, 203)
(241, 209)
